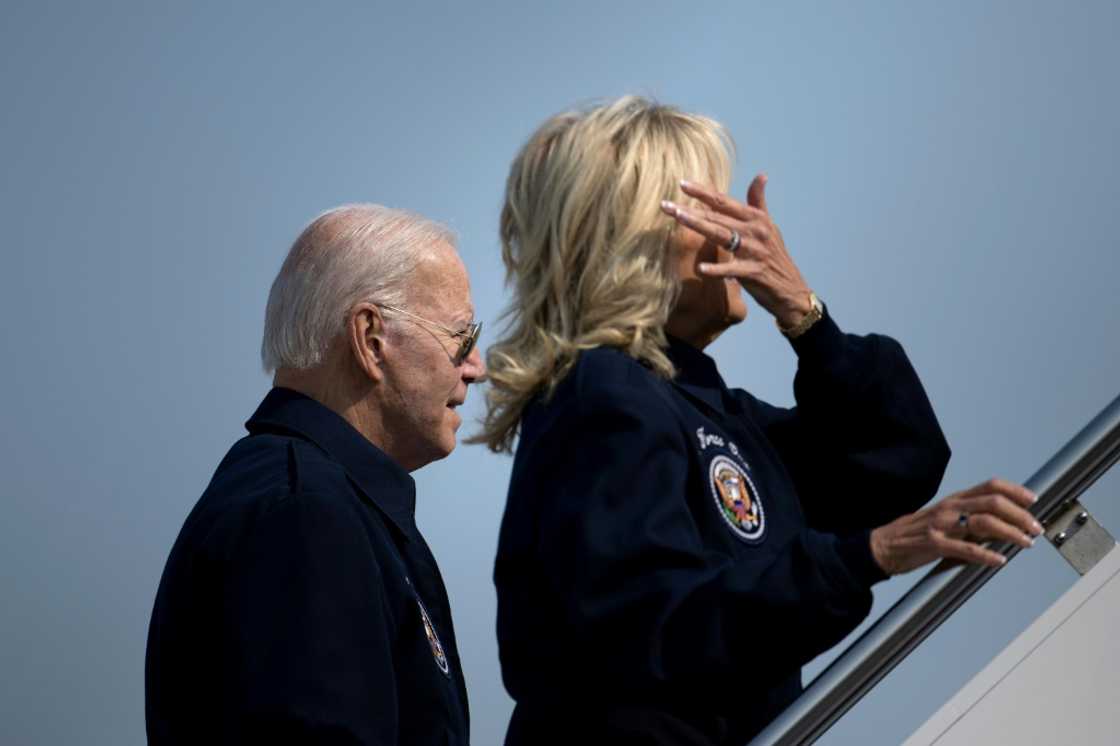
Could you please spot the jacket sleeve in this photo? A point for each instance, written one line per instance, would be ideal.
(862, 445)
(306, 631)
(639, 598)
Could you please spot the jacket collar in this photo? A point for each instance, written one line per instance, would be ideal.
(384, 482)
(697, 374)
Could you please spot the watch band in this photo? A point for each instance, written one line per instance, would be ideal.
(816, 313)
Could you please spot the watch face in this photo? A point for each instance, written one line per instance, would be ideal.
(816, 313)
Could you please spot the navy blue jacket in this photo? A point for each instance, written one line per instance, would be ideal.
(300, 605)
(672, 552)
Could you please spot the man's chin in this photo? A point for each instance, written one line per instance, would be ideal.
(448, 439)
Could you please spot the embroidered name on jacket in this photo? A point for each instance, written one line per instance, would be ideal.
(736, 497)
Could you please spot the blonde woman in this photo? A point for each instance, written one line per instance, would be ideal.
(674, 550)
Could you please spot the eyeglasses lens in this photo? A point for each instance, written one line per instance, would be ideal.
(468, 343)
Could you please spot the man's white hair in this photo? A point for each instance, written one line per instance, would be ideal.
(348, 255)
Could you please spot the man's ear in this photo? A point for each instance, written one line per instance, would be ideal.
(365, 331)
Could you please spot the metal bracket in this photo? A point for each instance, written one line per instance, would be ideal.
(1078, 537)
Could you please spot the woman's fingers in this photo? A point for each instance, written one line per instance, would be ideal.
(716, 232)
(720, 229)
(724, 203)
(1003, 508)
(956, 527)
(740, 268)
(1016, 492)
(988, 526)
(756, 193)
(966, 551)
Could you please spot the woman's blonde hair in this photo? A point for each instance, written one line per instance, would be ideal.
(585, 243)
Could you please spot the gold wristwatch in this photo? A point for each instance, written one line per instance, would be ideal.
(816, 313)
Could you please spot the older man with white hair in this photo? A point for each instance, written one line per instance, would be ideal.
(300, 604)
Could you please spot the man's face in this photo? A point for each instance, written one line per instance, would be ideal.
(424, 384)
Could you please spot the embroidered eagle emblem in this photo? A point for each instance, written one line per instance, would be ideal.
(433, 639)
(736, 499)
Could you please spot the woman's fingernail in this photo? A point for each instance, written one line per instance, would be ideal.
(703, 266)
(682, 215)
(1002, 560)
(686, 183)
(668, 206)
(1037, 528)
(1034, 498)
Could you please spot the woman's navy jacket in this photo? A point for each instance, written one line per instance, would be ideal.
(672, 552)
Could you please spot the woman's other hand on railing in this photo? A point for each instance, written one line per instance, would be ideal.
(952, 527)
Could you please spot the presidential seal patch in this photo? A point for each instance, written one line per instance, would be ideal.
(736, 498)
(433, 639)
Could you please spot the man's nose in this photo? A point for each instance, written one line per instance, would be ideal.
(474, 369)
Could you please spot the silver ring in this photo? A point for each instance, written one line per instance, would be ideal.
(735, 240)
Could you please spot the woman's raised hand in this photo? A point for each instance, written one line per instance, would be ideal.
(760, 260)
(951, 528)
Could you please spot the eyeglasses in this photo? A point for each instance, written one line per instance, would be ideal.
(468, 338)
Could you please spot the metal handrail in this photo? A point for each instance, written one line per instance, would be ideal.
(923, 608)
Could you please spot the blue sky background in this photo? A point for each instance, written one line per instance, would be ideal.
(943, 172)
